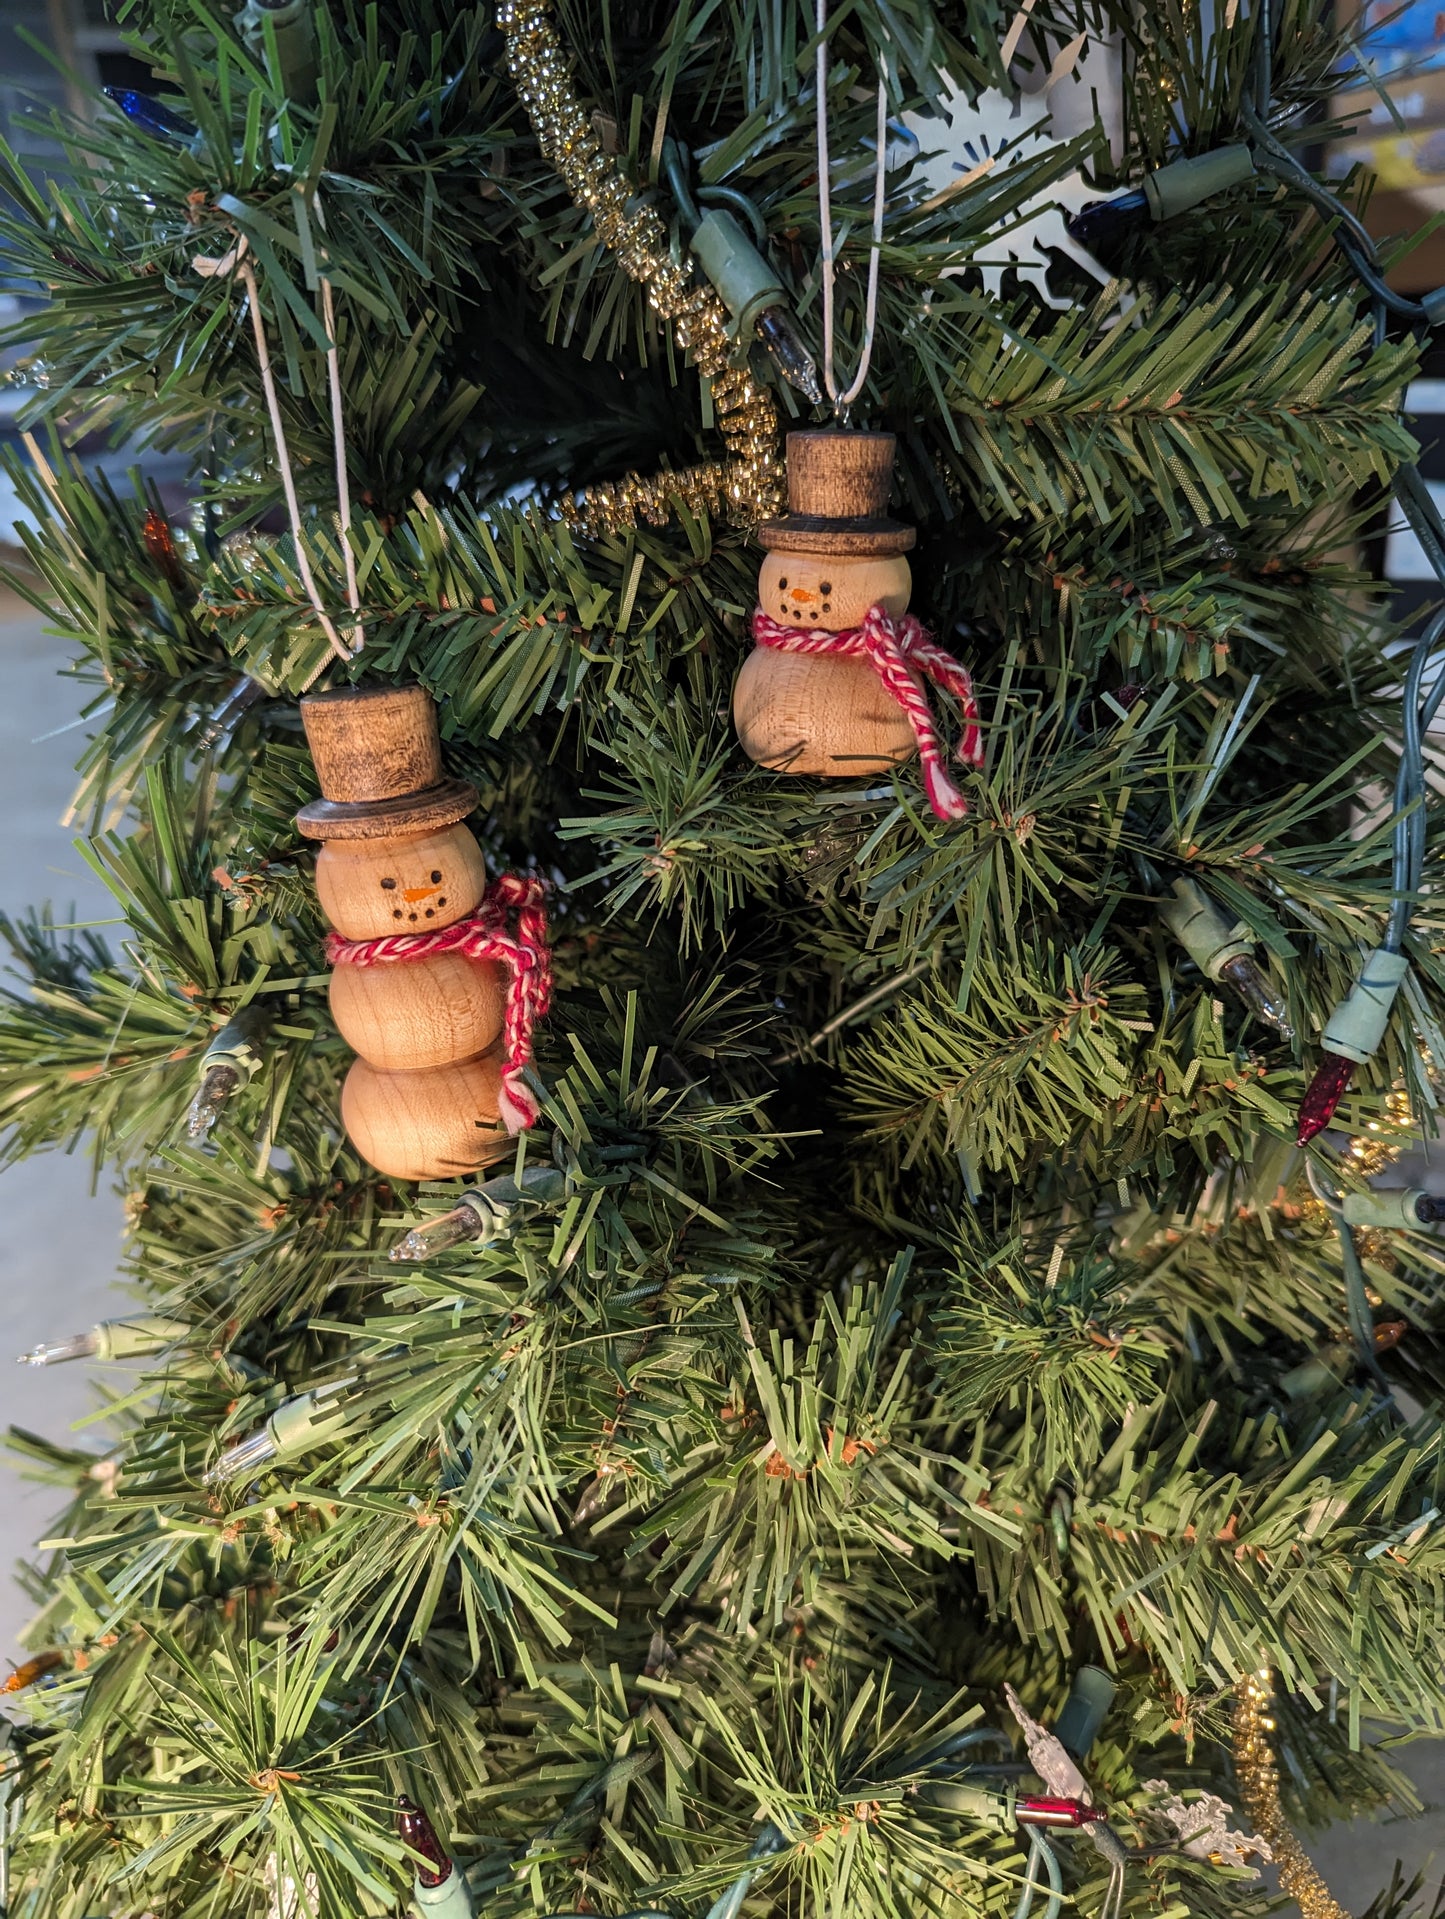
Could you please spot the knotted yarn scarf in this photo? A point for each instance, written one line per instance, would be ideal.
(510, 925)
(903, 654)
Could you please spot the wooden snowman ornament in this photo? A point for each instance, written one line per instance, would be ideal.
(834, 687)
(427, 980)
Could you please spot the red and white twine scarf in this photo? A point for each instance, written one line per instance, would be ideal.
(903, 655)
(487, 934)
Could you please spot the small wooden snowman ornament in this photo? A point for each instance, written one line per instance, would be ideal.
(834, 687)
(433, 1093)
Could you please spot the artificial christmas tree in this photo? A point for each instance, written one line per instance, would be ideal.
(907, 1429)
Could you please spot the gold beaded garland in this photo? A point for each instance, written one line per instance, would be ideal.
(747, 487)
(1254, 1763)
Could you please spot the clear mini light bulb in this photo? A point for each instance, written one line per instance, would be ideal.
(217, 1086)
(789, 355)
(1219, 947)
(463, 1222)
(57, 1351)
(485, 1214)
(229, 1061)
(112, 1339)
(1257, 990)
(245, 694)
(298, 1424)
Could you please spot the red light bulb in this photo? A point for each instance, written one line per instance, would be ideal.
(1037, 1810)
(417, 1831)
(1323, 1095)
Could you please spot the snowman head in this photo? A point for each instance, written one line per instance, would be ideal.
(416, 884)
(826, 592)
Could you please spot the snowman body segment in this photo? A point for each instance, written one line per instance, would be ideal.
(829, 562)
(422, 1099)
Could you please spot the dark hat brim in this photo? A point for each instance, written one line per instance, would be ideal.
(424, 812)
(847, 539)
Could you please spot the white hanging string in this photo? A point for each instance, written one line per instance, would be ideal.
(236, 262)
(338, 441)
(283, 459)
(841, 401)
(343, 483)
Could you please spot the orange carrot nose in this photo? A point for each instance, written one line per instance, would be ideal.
(801, 594)
(414, 893)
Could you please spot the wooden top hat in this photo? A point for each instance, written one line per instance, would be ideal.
(380, 761)
(838, 486)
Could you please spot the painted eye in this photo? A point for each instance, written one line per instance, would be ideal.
(388, 886)
(435, 878)
(782, 582)
(825, 586)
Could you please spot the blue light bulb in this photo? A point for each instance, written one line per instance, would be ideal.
(1100, 225)
(151, 115)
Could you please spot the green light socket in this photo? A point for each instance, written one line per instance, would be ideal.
(133, 1338)
(1319, 1373)
(290, 20)
(986, 1805)
(1208, 935)
(238, 1043)
(1358, 1023)
(1185, 183)
(1085, 1709)
(310, 1419)
(1398, 1207)
(745, 282)
(450, 1900)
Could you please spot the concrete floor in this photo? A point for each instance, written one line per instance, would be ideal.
(58, 1241)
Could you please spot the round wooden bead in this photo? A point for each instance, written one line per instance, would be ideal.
(807, 713)
(406, 1014)
(823, 594)
(414, 884)
(440, 1123)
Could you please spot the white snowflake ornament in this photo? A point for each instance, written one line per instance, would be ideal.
(1000, 129)
(1204, 1829)
(1061, 1776)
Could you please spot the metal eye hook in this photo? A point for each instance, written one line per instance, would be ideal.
(1108, 1843)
